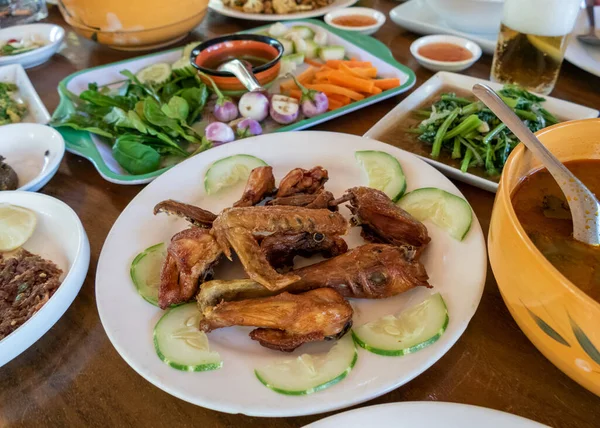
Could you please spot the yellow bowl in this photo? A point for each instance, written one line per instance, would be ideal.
(133, 24)
(562, 321)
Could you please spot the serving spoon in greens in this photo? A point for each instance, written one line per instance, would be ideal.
(584, 206)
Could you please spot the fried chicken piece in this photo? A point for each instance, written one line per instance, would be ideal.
(371, 271)
(319, 200)
(286, 321)
(191, 255)
(382, 220)
(261, 183)
(289, 6)
(195, 215)
(237, 227)
(281, 249)
(301, 180)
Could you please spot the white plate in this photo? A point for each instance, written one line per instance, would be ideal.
(33, 151)
(417, 16)
(457, 270)
(15, 73)
(584, 56)
(219, 7)
(60, 237)
(564, 110)
(425, 415)
(53, 36)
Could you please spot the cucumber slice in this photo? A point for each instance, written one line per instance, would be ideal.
(288, 46)
(296, 58)
(312, 49)
(303, 31)
(405, 333)
(183, 68)
(277, 30)
(299, 44)
(444, 209)
(228, 171)
(384, 172)
(180, 344)
(320, 37)
(310, 373)
(327, 53)
(187, 50)
(155, 73)
(145, 271)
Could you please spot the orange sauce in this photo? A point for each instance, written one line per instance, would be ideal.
(447, 52)
(354, 21)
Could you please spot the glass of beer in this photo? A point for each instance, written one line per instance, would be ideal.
(532, 42)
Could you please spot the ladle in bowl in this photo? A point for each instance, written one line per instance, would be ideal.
(245, 76)
(584, 206)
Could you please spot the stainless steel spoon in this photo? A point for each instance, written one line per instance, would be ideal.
(245, 76)
(584, 206)
(591, 38)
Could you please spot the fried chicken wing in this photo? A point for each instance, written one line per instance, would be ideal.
(191, 256)
(285, 321)
(281, 249)
(195, 215)
(319, 200)
(260, 184)
(301, 180)
(383, 221)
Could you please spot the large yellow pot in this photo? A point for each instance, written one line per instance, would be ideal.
(560, 320)
(133, 24)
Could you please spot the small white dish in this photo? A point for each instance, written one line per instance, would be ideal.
(33, 151)
(363, 11)
(563, 110)
(52, 35)
(59, 236)
(435, 65)
(37, 112)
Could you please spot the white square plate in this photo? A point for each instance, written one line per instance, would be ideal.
(564, 110)
(37, 112)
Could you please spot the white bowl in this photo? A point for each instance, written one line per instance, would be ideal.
(434, 65)
(15, 73)
(365, 11)
(33, 151)
(52, 34)
(60, 237)
(470, 16)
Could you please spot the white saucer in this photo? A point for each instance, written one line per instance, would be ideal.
(52, 34)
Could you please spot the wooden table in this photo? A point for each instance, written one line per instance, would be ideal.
(74, 377)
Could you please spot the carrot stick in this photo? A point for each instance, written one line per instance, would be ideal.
(334, 89)
(295, 93)
(376, 90)
(287, 85)
(333, 104)
(339, 98)
(313, 62)
(335, 63)
(365, 73)
(323, 74)
(385, 84)
(354, 83)
(308, 74)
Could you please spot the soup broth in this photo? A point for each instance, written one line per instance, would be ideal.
(543, 212)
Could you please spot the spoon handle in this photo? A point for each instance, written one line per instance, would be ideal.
(582, 202)
(239, 70)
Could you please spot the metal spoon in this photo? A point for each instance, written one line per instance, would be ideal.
(584, 206)
(591, 38)
(245, 76)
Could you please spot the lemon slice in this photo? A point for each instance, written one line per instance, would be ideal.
(16, 226)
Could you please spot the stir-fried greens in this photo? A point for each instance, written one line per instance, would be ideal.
(145, 122)
(472, 133)
(17, 47)
(11, 111)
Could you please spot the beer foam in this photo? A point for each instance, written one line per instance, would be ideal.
(541, 17)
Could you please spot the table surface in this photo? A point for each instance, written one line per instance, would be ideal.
(74, 377)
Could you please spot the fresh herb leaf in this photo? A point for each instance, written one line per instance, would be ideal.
(133, 155)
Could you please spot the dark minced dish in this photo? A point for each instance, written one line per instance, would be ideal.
(27, 282)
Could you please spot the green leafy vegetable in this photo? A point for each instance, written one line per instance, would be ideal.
(133, 155)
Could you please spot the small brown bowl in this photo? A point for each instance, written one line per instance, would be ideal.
(207, 56)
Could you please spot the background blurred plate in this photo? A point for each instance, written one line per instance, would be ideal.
(219, 7)
(584, 56)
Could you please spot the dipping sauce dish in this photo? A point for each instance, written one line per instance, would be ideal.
(362, 20)
(445, 53)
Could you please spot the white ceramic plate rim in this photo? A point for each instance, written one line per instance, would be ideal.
(568, 111)
(36, 326)
(40, 52)
(128, 320)
(425, 415)
(219, 7)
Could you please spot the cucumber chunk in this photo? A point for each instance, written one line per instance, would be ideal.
(155, 73)
(183, 68)
(303, 31)
(443, 209)
(384, 172)
(310, 373)
(312, 49)
(230, 170)
(296, 58)
(277, 30)
(180, 344)
(187, 50)
(145, 271)
(327, 53)
(409, 331)
(288, 46)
